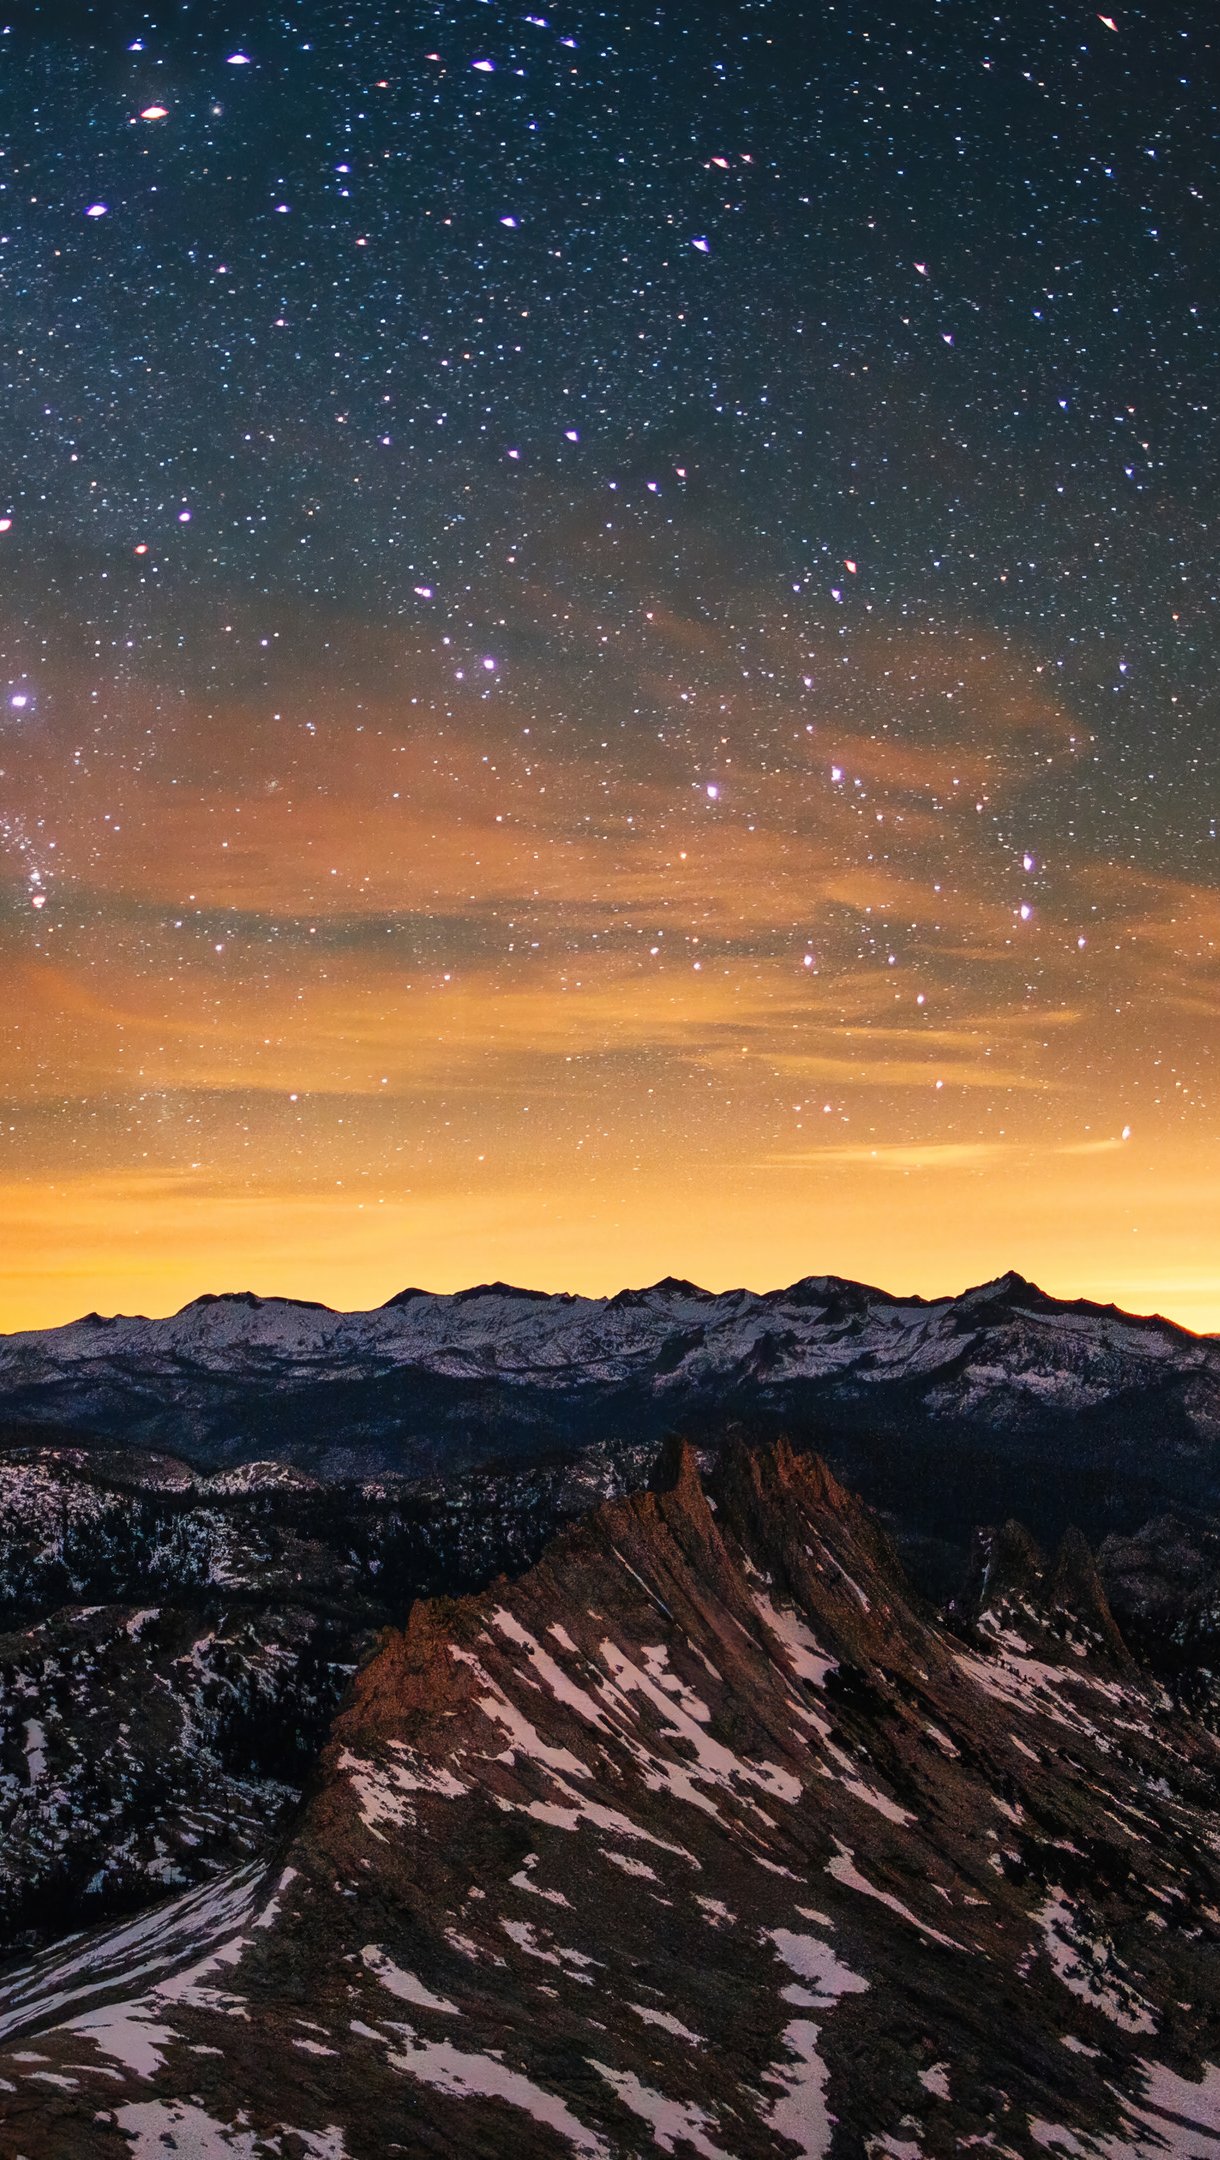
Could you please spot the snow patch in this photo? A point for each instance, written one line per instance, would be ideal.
(271, 1910)
(155, 2127)
(629, 1865)
(803, 1653)
(671, 2121)
(155, 1947)
(667, 2022)
(381, 1788)
(464, 2076)
(801, 2114)
(1090, 1966)
(811, 1959)
(524, 1739)
(523, 1880)
(570, 1962)
(714, 1763)
(403, 1984)
(580, 1809)
(127, 2033)
(845, 1871)
(35, 1751)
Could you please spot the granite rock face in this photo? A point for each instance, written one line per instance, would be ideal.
(703, 1836)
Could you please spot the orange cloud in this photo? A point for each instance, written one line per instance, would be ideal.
(503, 965)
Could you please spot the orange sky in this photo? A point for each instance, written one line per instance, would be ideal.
(360, 979)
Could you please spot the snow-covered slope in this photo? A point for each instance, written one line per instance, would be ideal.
(816, 1328)
(701, 1838)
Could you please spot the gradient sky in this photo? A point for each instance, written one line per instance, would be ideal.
(608, 649)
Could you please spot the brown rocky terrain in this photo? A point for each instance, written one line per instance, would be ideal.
(702, 1837)
(173, 1649)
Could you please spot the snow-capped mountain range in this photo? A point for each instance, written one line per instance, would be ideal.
(671, 1335)
(898, 1391)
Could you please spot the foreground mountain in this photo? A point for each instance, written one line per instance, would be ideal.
(944, 1413)
(173, 1649)
(702, 1837)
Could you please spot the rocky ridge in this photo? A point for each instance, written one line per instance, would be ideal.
(702, 1836)
(173, 1647)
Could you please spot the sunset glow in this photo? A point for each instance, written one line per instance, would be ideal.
(385, 985)
(579, 705)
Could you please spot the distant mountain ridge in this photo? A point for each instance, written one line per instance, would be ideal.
(943, 1412)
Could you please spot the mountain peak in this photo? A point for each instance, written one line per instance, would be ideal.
(250, 1300)
(513, 1292)
(676, 1286)
(669, 1289)
(812, 1287)
(1008, 1285)
(676, 1466)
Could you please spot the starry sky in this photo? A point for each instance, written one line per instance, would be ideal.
(608, 648)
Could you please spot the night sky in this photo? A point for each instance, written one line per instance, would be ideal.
(608, 644)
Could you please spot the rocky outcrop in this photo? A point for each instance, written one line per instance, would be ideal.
(1059, 1608)
(704, 1837)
